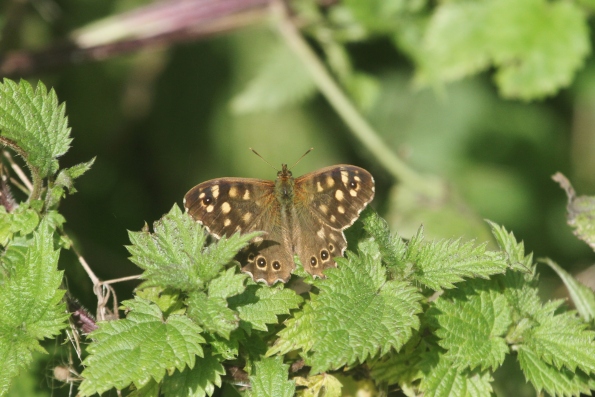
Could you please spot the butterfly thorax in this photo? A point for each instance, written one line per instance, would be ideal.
(284, 185)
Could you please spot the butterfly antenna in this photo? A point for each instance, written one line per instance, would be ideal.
(263, 159)
(303, 155)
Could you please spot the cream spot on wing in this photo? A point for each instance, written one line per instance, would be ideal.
(227, 222)
(215, 191)
(319, 187)
(321, 233)
(246, 195)
(353, 192)
(341, 209)
(333, 237)
(225, 208)
(339, 195)
(233, 192)
(323, 208)
(357, 178)
(202, 195)
(210, 208)
(330, 182)
(344, 177)
(333, 218)
(247, 216)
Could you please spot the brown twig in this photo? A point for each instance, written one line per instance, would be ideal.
(157, 25)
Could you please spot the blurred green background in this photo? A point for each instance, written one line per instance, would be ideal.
(163, 119)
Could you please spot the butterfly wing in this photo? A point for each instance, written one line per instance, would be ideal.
(228, 205)
(326, 202)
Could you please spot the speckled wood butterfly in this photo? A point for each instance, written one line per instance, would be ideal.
(304, 216)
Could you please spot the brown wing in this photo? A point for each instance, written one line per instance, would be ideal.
(336, 194)
(326, 202)
(228, 205)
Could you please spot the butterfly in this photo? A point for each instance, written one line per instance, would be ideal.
(302, 216)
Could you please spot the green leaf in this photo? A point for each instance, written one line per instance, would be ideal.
(443, 379)
(554, 381)
(472, 323)
(581, 295)
(283, 80)
(31, 306)
(269, 379)
(581, 211)
(34, 120)
(174, 255)
(402, 367)
(561, 340)
(440, 264)
(212, 313)
(199, 381)
(514, 251)
(536, 45)
(65, 180)
(392, 248)
(353, 300)
(324, 385)
(22, 220)
(299, 331)
(228, 284)
(258, 305)
(138, 348)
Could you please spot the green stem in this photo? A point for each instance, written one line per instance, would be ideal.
(345, 108)
(37, 180)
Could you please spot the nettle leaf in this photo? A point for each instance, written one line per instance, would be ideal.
(514, 251)
(283, 80)
(269, 379)
(392, 248)
(228, 284)
(199, 381)
(65, 181)
(581, 211)
(440, 264)
(299, 331)
(472, 323)
(258, 306)
(552, 380)
(443, 379)
(401, 367)
(357, 314)
(174, 255)
(31, 306)
(536, 45)
(141, 347)
(212, 313)
(582, 296)
(23, 220)
(562, 340)
(324, 385)
(34, 120)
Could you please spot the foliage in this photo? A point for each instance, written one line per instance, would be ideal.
(432, 317)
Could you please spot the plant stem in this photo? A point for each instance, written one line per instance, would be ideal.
(345, 108)
(37, 180)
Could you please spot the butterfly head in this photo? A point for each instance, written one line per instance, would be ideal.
(284, 174)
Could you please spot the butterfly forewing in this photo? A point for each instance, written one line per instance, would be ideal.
(335, 194)
(228, 205)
